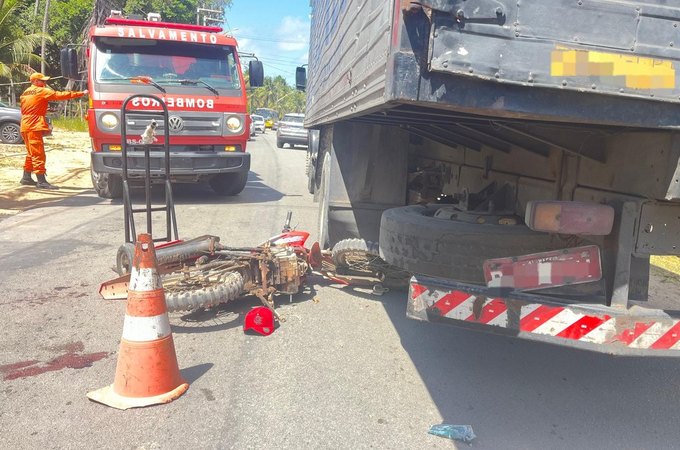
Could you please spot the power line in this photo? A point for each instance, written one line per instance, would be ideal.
(281, 71)
(275, 66)
(271, 40)
(288, 61)
(283, 61)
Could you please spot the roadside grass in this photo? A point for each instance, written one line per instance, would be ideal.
(69, 123)
(11, 163)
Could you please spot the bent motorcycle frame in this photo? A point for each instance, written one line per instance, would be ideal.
(171, 257)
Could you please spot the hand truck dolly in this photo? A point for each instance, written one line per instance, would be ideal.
(134, 118)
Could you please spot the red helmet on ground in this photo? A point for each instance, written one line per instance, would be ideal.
(261, 320)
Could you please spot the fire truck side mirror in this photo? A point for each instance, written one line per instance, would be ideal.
(300, 78)
(69, 63)
(256, 73)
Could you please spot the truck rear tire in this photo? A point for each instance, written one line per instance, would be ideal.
(411, 238)
(107, 185)
(229, 183)
(279, 143)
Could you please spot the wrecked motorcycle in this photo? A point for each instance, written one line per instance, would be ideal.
(202, 272)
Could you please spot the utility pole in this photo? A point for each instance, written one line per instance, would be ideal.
(44, 30)
(206, 18)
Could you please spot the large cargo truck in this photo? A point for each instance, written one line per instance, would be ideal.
(196, 71)
(520, 157)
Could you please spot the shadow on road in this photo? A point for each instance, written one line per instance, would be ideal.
(218, 318)
(297, 147)
(201, 194)
(25, 198)
(193, 373)
(522, 394)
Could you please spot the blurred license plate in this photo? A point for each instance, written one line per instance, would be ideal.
(544, 270)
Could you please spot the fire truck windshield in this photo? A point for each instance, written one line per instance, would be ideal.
(117, 60)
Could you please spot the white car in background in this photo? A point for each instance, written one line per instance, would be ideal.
(258, 124)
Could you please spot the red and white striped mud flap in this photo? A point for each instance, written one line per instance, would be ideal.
(636, 331)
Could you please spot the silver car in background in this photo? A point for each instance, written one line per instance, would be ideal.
(291, 131)
(10, 124)
(10, 120)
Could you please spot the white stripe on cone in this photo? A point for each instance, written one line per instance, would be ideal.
(142, 279)
(143, 329)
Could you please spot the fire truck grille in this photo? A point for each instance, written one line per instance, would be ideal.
(183, 124)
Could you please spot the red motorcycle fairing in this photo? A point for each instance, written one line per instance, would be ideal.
(289, 239)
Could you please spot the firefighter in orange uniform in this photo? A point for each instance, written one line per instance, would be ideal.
(34, 102)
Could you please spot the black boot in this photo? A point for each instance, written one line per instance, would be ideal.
(27, 180)
(42, 182)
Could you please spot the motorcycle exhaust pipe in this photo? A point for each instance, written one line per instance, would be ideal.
(187, 250)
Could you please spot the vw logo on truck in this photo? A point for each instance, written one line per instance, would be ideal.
(175, 123)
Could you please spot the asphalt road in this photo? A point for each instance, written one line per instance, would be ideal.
(345, 371)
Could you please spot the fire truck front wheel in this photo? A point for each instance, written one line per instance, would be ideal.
(229, 183)
(107, 185)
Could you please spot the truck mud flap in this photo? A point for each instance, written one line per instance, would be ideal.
(635, 331)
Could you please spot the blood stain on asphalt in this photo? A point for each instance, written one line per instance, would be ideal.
(71, 359)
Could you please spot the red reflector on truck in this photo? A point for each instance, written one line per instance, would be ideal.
(544, 270)
(570, 217)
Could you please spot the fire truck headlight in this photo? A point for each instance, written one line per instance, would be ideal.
(234, 124)
(109, 121)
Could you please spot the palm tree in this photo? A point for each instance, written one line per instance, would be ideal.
(16, 47)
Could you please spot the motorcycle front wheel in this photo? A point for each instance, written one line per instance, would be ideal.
(198, 287)
(360, 256)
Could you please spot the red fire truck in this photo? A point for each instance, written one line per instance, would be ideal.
(196, 71)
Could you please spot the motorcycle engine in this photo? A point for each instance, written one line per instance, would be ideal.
(288, 270)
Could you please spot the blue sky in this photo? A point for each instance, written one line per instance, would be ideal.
(276, 31)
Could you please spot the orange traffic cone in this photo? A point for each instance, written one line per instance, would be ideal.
(147, 372)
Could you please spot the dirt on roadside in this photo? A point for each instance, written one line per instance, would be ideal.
(68, 166)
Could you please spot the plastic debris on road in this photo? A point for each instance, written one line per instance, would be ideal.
(461, 433)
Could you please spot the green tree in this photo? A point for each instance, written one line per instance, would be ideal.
(278, 95)
(68, 21)
(16, 46)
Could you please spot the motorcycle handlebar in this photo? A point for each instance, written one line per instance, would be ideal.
(286, 226)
